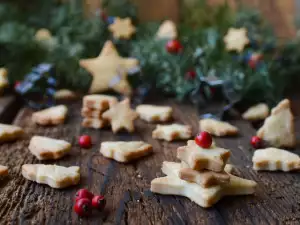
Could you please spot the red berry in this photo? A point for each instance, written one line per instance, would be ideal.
(83, 193)
(17, 83)
(204, 139)
(256, 142)
(174, 46)
(190, 75)
(99, 202)
(85, 141)
(83, 207)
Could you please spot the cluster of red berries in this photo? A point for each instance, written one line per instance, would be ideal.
(85, 201)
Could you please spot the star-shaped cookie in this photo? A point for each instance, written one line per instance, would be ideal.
(236, 39)
(217, 128)
(172, 132)
(167, 30)
(198, 158)
(109, 70)
(122, 28)
(125, 151)
(278, 129)
(121, 116)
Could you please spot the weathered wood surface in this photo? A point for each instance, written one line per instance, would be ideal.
(126, 186)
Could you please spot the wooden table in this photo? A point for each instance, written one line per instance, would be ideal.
(126, 187)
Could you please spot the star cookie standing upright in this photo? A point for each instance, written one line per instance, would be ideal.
(109, 70)
(236, 39)
(122, 28)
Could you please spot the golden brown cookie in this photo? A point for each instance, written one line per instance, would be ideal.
(95, 123)
(45, 148)
(154, 113)
(52, 175)
(125, 151)
(257, 112)
(109, 70)
(236, 39)
(278, 129)
(99, 102)
(172, 132)
(122, 28)
(198, 158)
(121, 116)
(217, 128)
(3, 171)
(275, 159)
(52, 116)
(10, 132)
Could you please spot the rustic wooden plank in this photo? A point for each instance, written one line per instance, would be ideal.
(126, 186)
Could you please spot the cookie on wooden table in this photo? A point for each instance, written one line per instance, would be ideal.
(99, 102)
(10, 132)
(205, 178)
(167, 30)
(198, 158)
(94, 123)
(278, 129)
(45, 148)
(154, 113)
(52, 116)
(91, 113)
(256, 112)
(204, 197)
(125, 151)
(217, 128)
(3, 171)
(275, 159)
(65, 94)
(52, 175)
(172, 132)
(121, 116)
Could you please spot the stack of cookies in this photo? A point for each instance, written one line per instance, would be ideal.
(93, 108)
(202, 176)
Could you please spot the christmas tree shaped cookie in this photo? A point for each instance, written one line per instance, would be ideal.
(167, 30)
(278, 129)
(201, 176)
(109, 70)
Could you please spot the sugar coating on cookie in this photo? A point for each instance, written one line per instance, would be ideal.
(275, 159)
(45, 148)
(204, 197)
(125, 151)
(52, 175)
(3, 171)
(278, 129)
(256, 112)
(10, 132)
(99, 102)
(198, 158)
(95, 123)
(217, 128)
(153, 113)
(52, 116)
(172, 132)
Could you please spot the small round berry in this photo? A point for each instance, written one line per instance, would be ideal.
(174, 46)
(256, 142)
(83, 193)
(204, 139)
(190, 75)
(85, 141)
(83, 207)
(99, 202)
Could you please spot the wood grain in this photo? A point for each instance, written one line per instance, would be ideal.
(126, 186)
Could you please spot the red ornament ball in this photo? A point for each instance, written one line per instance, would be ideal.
(83, 193)
(204, 139)
(254, 60)
(98, 202)
(17, 83)
(83, 207)
(256, 142)
(174, 46)
(190, 75)
(85, 141)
